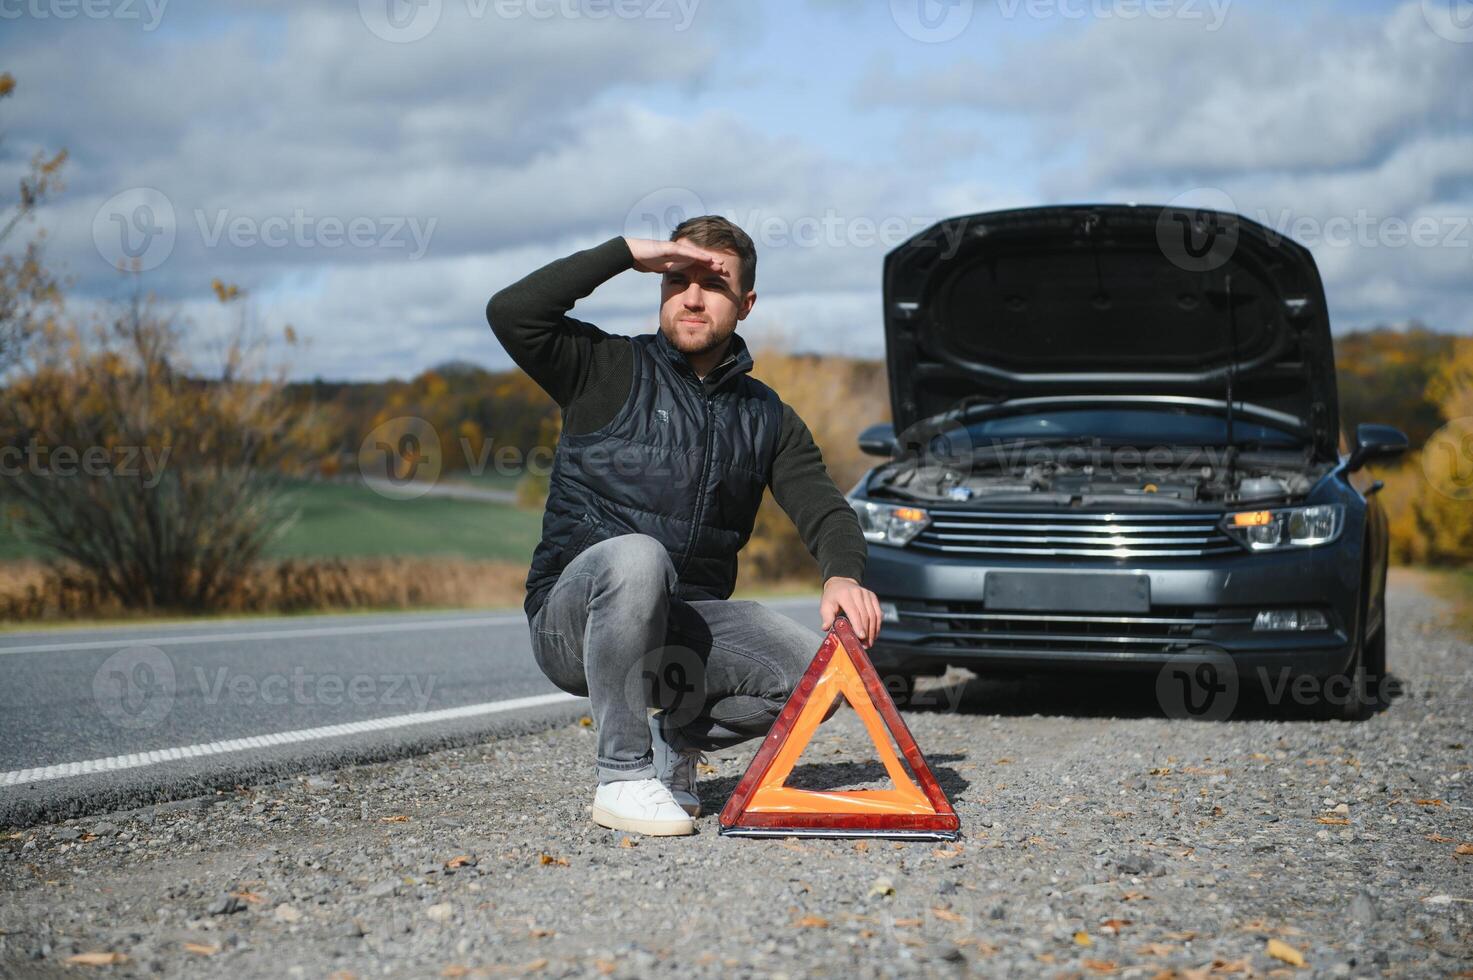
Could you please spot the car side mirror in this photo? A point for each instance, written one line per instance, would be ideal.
(1376, 442)
(878, 440)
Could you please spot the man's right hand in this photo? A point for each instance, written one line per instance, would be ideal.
(651, 255)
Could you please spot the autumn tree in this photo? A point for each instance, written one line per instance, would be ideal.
(161, 481)
(29, 294)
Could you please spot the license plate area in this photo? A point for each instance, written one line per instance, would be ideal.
(1067, 592)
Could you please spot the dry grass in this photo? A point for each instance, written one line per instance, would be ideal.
(30, 592)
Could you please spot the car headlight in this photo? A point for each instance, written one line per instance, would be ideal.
(888, 524)
(1286, 527)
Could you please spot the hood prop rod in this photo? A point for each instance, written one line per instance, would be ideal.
(1232, 371)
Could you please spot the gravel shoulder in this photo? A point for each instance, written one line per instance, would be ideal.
(1100, 838)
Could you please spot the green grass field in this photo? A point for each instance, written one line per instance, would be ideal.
(349, 521)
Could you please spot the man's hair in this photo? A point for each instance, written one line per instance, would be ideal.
(715, 232)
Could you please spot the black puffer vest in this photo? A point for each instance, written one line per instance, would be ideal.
(685, 461)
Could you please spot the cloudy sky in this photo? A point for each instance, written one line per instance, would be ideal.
(372, 170)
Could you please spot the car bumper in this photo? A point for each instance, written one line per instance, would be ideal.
(1194, 605)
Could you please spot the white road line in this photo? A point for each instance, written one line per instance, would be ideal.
(125, 640)
(155, 757)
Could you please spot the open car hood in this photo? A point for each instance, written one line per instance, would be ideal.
(1108, 300)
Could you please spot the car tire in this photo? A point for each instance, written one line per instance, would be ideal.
(1365, 669)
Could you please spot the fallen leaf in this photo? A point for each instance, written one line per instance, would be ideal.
(460, 861)
(1114, 925)
(455, 970)
(906, 923)
(396, 818)
(201, 949)
(1156, 949)
(984, 948)
(1463, 849)
(1184, 936)
(1081, 938)
(1281, 950)
(862, 846)
(1439, 839)
(706, 769)
(1099, 966)
(628, 842)
(605, 966)
(538, 964)
(585, 721)
(97, 959)
(1130, 896)
(1003, 762)
(1220, 965)
(947, 915)
(1160, 772)
(1334, 821)
(812, 922)
(1429, 802)
(882, 887)
(947, 852)
(249, 897)
(538, 932)
(546, 858)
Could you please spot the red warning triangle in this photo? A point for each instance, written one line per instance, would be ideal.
(762, 806)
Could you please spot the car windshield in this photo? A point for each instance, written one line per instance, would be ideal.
(1125, 426)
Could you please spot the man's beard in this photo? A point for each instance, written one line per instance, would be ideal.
(714, 343)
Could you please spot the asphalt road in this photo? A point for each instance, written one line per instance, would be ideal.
(99, 719)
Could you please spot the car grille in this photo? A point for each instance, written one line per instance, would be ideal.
(1165, 630)
(1068, 534)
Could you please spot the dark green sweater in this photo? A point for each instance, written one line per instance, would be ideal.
(589, 373)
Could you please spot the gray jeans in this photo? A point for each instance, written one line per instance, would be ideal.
(612, 631)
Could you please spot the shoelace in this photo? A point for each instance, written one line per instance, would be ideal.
(683, 773)
(652, 792)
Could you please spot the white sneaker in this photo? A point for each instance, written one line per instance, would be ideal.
(642, 806)
(676, 768)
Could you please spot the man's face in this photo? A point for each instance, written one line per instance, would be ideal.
(699, 308)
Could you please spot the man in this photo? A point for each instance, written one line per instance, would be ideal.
(666, 447)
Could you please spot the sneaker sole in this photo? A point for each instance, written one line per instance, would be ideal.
(652, 828)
